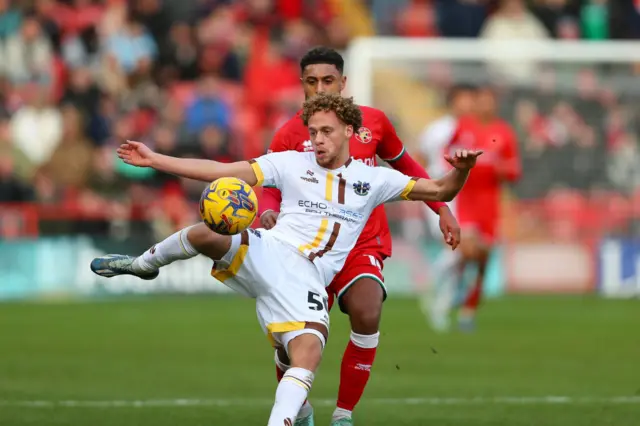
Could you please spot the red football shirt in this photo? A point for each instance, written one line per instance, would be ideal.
(480, 197)
(376, 137)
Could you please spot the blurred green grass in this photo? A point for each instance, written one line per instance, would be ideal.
(212, 348)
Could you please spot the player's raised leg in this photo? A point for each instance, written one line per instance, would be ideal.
(182, 245)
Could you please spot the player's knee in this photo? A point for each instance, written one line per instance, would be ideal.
(305, 350)
(208, 242)
(471, 246)
(363, 304)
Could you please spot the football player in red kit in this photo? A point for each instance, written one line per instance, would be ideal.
(359, 288)
(478, 204)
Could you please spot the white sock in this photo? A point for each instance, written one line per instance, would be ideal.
(290, 395)
(175, 247)
(341, 413)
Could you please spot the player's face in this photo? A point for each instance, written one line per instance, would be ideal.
(330, 138)
(487, 105)
(463, 103)
(322, 78)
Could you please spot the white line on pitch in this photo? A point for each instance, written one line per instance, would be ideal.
(222, 402)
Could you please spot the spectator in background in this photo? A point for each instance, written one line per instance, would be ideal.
(10, 20)
(70, 165)
(179, 55)
(154, 16)
(560, 17)
(82, 50)
(385, 12)
(83, 93)
(106, 190)
(36, 127)
(208, 108)
(12, 189)
(512, 21)
(131, 47)
(21, 167)
(460, 18)
(28, 54)
(418, 19)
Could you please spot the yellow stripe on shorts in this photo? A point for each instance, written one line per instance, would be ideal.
(283, 327)
(236, 262)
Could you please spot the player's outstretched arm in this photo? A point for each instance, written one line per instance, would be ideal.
(447, 187)
(140, 155)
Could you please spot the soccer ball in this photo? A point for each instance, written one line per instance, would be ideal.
(228, 206)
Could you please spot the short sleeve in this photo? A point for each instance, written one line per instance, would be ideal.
(392, 185)
(270, 168)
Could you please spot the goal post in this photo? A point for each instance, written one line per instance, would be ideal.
(574, 108)
(363, 53)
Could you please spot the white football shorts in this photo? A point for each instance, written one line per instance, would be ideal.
(290, 294)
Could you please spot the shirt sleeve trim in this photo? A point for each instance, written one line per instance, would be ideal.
(397, 157)
(258, 171)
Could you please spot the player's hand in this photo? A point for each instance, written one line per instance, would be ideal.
(136, 154)
(463, 159)
(269, 219)
(449, 227)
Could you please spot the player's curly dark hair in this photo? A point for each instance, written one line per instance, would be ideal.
(322, 55)
(347, 112)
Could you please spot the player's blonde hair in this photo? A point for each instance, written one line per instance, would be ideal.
(347, 112)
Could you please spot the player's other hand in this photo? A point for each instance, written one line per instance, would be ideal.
(463, 159)
(269, 219)
(449, 227)
(136, 154)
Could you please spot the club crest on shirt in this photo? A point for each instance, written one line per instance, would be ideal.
(364, 135)
(361, 188)
(307, 146)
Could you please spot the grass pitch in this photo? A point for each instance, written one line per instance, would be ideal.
(190, 361)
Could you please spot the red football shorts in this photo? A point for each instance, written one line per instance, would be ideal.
(485, 226)
(359, 264)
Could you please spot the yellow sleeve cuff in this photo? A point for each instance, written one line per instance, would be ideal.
(407, 189)
(258, 171)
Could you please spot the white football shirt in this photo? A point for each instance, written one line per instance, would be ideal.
(434, 143)
(323, 211)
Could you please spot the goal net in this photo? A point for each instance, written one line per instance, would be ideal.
(574, 108)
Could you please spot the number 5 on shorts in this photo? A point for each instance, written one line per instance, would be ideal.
(317, 302)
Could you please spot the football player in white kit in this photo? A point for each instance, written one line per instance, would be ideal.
(435, 142)
(326, 200)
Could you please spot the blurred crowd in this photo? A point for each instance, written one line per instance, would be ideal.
(213, 79)
(561, 19)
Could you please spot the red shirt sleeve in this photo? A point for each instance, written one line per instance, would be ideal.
(391, 149)
(511, 168)
(271, 197)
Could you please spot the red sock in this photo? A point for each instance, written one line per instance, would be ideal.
(356, 369)
(473, 298)
(475, 294)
